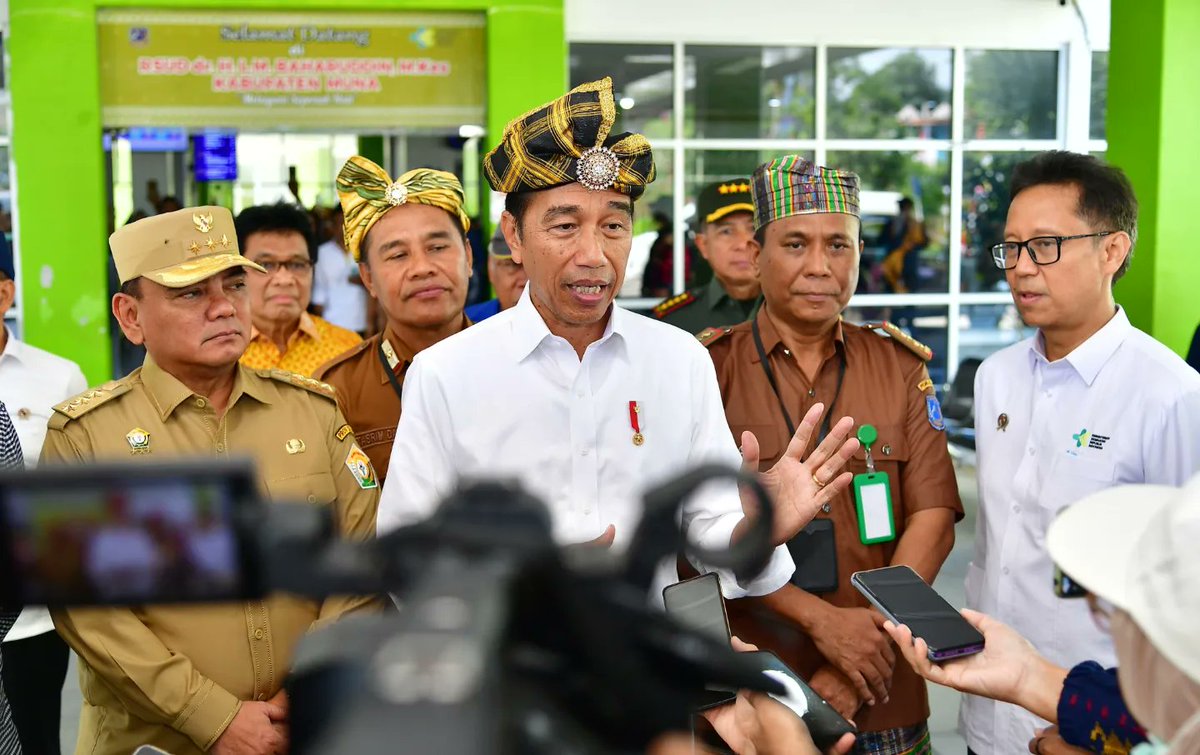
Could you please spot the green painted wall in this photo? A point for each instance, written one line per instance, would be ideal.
(59, 167)
(1152, 115)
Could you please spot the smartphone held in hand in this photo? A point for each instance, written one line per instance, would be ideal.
(903, 597)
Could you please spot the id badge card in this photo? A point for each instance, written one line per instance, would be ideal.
(873, 498)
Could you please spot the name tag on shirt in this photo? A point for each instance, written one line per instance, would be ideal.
(873, 497)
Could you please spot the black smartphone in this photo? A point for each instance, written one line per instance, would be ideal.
(1066, 587)
(824, 723)
(901, 595)
(697, 603)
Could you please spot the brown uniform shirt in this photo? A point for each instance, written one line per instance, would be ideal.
(885, 385)
(173, 676)
(366, 395)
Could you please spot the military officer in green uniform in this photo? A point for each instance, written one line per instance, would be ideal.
(725, 215)
(191, 679)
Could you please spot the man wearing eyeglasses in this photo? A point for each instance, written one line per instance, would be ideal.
(281, 240)
(1087, 403)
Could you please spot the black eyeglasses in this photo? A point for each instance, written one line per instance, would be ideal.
(295, 267)
(1043, 250)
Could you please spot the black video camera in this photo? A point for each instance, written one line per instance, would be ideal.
(506, 643)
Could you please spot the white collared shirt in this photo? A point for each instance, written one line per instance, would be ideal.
(508, 399)
(1121, 408)
(344, 302)
(32, 381)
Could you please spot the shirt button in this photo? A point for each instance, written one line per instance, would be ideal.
(579, 394)
(1005, 570)
(201, 403)
(583, 452)
(1016, 507)
(312, 499)
(220, 448)
(812, 392)
(258, 634)
(1032, 452)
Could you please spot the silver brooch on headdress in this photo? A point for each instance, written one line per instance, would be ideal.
(396, 194)
(598, 168)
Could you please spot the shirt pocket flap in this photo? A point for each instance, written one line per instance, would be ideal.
(310, 488)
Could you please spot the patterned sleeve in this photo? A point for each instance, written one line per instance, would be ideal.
(1092, 715)
(10, 445)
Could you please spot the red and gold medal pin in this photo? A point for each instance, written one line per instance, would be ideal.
(635, 423)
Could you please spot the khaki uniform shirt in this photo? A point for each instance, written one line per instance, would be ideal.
(885, 385)
(366, 395)
(173, 676)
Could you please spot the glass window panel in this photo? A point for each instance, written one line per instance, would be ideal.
(750, 92)
(889, 93)
(927, 324)
(894, 258)
(5, 184)
(984, 329)
(709, 166)
(985, 209)
(1097, 128)
(1012, 94)
(653, 235)
(643, 79)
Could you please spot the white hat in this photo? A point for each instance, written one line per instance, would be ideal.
(1138, 547)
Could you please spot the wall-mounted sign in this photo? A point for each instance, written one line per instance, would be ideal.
(269, 70)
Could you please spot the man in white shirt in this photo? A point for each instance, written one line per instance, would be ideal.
(584, 403)
(1087, 403)
(338, 291)
(32, 381)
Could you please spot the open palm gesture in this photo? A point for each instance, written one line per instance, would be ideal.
(800, 487)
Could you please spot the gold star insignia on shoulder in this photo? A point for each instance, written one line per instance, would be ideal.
(224, 241)
(723, 188)
(210, 243)
(745, 188)
(194, 248)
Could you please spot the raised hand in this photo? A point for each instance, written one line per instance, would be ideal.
(800, 487)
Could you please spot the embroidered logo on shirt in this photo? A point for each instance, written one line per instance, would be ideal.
(360, 466)
(1091, 440)
(934, 411)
